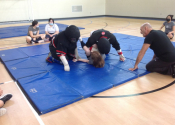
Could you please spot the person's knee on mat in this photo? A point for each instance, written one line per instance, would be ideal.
(28, 39)
(149, 67)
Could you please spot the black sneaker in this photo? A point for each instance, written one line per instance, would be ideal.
(173, 70)
(6, 97)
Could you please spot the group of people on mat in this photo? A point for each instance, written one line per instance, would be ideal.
(63, 46)
(3, 100)
(33, 36)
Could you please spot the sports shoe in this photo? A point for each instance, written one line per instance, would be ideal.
(2, 111)
(49, 58)
(6, 97)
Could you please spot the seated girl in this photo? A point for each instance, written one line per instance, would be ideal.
(169, 26)
(51, 30)
(33, 34)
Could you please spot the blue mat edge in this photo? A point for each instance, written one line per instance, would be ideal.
(80, 28)
(48, 110)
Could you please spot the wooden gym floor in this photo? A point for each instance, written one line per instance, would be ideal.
(155, 108)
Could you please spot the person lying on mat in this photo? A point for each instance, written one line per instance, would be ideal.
(51, 29)
(63, 46)
(3, 100)
(103, 38)
(33, 34)
(93, 55)
(164, 52)
(169, 26)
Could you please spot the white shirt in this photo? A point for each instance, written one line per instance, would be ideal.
(52, 29)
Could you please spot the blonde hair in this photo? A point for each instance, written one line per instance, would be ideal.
(98, 61)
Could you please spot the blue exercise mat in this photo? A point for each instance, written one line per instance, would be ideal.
(16, 31)
(35, 50)
(48, 92)
(23, 68)
(86, 79)
(12, 54)
(49, 87)
(128, 63)
(133, 55)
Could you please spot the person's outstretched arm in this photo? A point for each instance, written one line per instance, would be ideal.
(85, 48)
(161, 27)
(140, 56)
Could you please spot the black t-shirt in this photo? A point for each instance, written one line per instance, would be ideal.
(161, 45)
(96, 35)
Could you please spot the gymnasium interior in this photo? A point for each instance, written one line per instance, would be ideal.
(45, 94)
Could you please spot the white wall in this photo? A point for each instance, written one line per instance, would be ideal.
(11, 10)
(140, 8)
(14, 10)
(63, 8)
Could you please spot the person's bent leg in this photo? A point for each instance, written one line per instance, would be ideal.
(39, 40)
(170, 35)
(47, 37)
(43, 36)
(28, 39)
(159, 66)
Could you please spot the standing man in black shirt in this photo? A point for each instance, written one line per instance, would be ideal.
(164, 52)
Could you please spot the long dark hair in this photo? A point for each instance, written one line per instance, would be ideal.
(34, 23)
(51, 19)
(98, 61)
(170, 16)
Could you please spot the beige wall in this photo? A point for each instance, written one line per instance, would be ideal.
(140, 8)
(11, 10)
(14, 10)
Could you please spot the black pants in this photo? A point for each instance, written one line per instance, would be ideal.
(37, 39)
(157, 65)
(50, 38)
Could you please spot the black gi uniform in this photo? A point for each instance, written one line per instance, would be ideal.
(65, 43)
(96, 35)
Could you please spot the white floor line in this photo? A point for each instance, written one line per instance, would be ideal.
(8, 82)
(34, 112)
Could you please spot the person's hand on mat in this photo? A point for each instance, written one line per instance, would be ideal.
(1, 91)
(80, 39)
(122, 58)
(74, 60)
(132, 69)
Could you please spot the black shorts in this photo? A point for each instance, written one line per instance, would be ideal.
(37, 39)
(50, 38)
(171, 33)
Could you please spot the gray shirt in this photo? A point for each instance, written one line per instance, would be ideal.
(168, 26)
(91, 61)
(33, 30)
